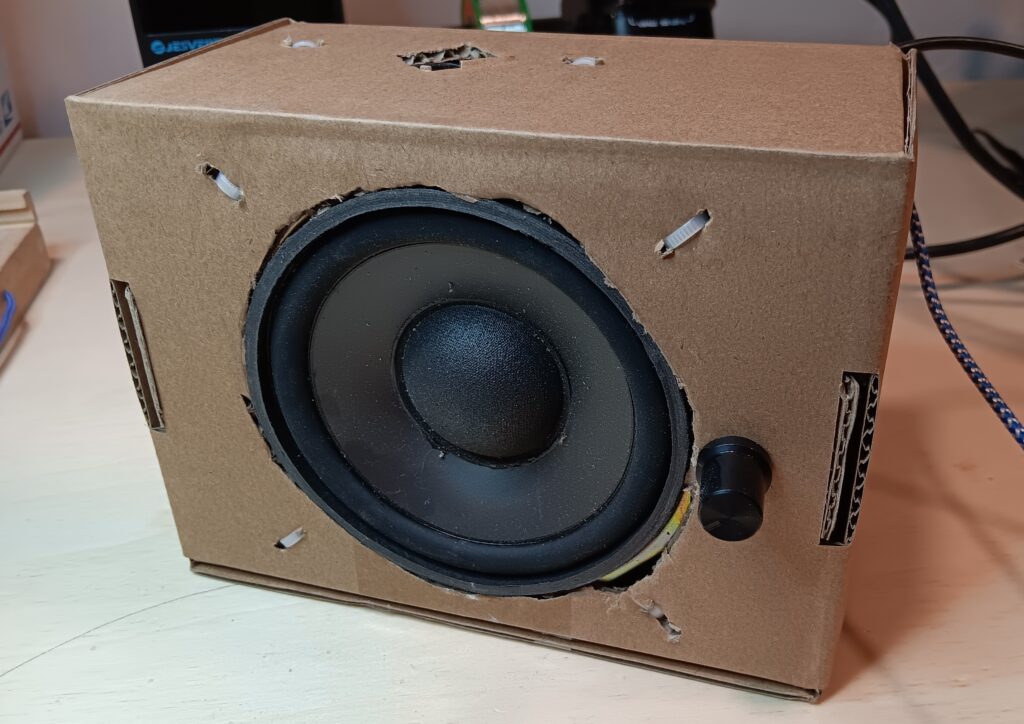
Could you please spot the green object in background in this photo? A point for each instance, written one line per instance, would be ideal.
(506, 15)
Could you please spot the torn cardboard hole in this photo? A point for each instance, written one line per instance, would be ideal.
(693, 226)
(289, 227)
(648, 560)
(446, 58)
(226, 186)
(672, 632)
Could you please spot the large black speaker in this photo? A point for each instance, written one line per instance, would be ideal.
(456, 384)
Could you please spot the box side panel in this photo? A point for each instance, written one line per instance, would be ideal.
(790, 285)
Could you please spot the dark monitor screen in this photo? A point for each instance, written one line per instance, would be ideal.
(166, 28)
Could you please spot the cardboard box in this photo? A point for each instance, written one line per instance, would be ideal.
(24, 263)
(804, 155)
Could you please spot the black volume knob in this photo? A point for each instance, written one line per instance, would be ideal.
(734, 475)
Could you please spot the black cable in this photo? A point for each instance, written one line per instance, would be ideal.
(1012, 50)
(964, 42)
(901, 34)
(1012, 176)
(956, 345)
(987, 241)
(1009, 155)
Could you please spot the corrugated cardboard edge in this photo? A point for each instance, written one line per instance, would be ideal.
(910, 152)
(258, 30)
(910, 103)
(690, 671)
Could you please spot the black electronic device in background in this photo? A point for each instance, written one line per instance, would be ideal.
(666, 18)
(165, 29)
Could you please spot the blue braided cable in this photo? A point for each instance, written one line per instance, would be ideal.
(5, 320)
(931, 297)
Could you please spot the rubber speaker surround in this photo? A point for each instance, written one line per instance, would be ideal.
(322, 340)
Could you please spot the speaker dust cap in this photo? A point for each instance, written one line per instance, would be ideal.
(455, 385)
(482, 382)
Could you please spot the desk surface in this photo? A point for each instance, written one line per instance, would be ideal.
(100, 618)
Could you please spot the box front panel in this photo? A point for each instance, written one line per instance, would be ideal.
(790, 285)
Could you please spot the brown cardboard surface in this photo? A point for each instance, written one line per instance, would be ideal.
(24, 263)
(813, 98)
(807, 174)
(692, 671)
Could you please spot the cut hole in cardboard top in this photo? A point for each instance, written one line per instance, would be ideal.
(445, 58)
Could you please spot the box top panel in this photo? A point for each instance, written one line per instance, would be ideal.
(819, 99)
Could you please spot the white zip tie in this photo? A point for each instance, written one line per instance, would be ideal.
(228, 188)
(584, 60)
(668, 245)
(291, 539)
(289, 43)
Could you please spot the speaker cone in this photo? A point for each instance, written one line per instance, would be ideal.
(455, 384)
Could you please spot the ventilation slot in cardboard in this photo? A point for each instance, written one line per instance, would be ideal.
(446, 58)
(855, 428)
(134, 340)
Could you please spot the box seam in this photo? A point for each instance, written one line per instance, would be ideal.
(884, 156)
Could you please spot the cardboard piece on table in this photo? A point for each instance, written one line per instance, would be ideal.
(24, 263)
(803, 155)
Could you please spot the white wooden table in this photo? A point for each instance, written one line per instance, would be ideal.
(101, 620)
